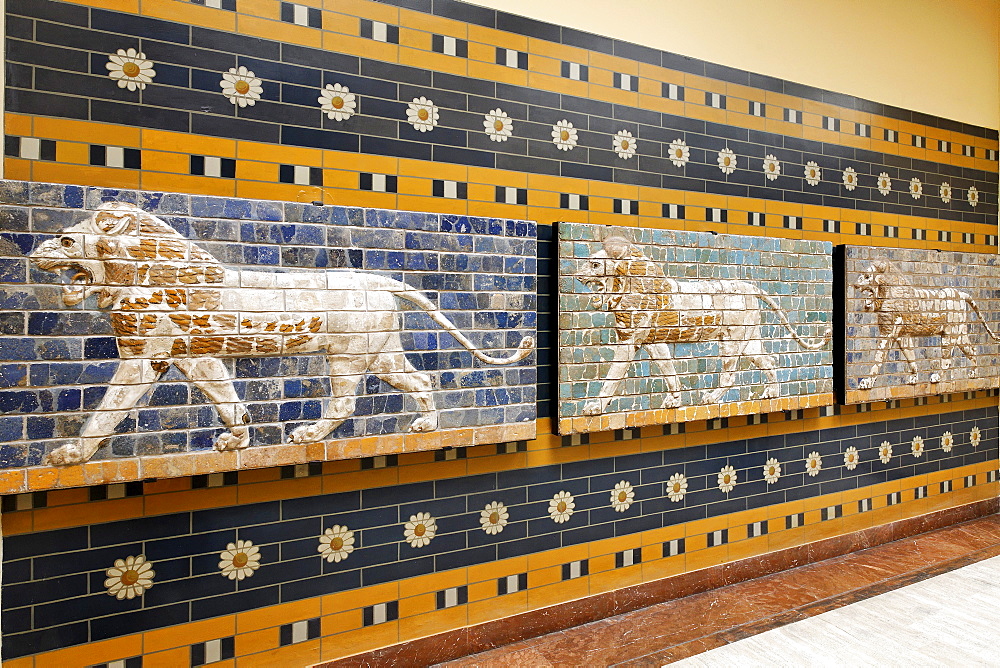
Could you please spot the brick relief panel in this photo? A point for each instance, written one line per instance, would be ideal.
(919, 323)
(659, 326)
(329, 331)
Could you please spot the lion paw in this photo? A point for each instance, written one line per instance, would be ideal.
(971, 373)
(309, 433)
(866, 383)
(593, 407)
(935, 378)
(673, 400)
(424, 423)
(770, 392)
(912, 380)
(71, 453)
(236, 439)
(712, 396)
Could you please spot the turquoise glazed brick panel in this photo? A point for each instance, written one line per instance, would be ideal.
(919, 323)
(659, 326)
(149, 327)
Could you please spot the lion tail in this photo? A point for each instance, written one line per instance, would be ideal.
(808, 344)
(972, 304)
(415, 297)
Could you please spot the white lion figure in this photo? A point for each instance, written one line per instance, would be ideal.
(173, 303)
(904, 312)
(652, 311)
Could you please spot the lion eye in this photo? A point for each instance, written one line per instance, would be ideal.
(67, 241)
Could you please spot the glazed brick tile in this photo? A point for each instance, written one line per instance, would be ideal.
(34, 642)
(120, 23)
(49, 10)
(239, 44)
(261, 513)
(136, 530)
(307, 588)
(404, 568)
(224, 605)
(340, 62)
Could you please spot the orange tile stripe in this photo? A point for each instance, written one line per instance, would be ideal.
(341, 18)
(343, 634)
(166, 159)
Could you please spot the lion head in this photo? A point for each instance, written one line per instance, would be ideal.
(598, 271)
(121, 246)
(875, 281)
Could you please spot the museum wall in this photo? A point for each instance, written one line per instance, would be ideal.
(288, 136)
(918, 54)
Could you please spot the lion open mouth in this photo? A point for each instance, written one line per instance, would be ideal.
(869, 296)
(75, 278)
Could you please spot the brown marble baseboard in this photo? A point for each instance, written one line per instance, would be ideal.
(489, 635)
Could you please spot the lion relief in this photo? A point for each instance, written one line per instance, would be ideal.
(173, 304)
(652, 311)
(903, 313)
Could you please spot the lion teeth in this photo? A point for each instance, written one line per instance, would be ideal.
(73, 295)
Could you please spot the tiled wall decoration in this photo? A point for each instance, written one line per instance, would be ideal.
(659, 326)
(442, 553)
(239, 323)
(919, 322)
(374, 103)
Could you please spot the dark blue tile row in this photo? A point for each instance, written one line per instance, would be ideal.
(288, 114)
(99, 19)
(54, 579)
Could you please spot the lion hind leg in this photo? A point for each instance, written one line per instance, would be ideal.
(729, 353)
(210, 376)
(969, 350)
(131, 380)
(339, 407)
(766, 363)
(395, 369)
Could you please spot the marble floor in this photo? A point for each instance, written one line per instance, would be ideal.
(928, 600)
(949, 620)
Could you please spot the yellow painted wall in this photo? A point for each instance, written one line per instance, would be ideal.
(941, 57)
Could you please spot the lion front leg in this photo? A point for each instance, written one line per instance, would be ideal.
(132, 379)
(210, 376)
(889, 336)
(906, 345)
(624, 354)
(661, 353)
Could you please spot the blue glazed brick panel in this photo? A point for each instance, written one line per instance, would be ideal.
(919, 323)
(659, 326)
(241, 318)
